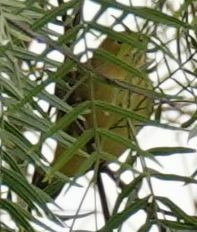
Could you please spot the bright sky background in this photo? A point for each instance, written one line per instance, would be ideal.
(148, 137)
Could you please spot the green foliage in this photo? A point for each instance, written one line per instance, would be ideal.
(26, 75)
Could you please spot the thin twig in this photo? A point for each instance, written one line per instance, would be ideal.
(103, 198)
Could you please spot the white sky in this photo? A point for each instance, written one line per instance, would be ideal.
(148, 137)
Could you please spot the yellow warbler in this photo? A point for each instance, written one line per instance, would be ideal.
(112, 94)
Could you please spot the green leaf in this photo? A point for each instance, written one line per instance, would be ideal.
(65, 68)
(70, 152)
(106, 56)
(130, 114)
(165, 151)
(146, 227)
(119, 218)
(24, 54)
(52, 14)
(10, 88)
(5, 228)
(15, 17)
(9, 159)
(24, 189)
(146, 13)
(193, 133)
(171, 177)
(181, 227)
(12, 138)
(70, 34)
(22, 217)
(33, 121)
(12, 3)
(126, 191)
(17, 214)
(67, 119)
(50, 98)
(178, 212)
(137, 40)
(122, 140)
(158, 113)
(18, 35)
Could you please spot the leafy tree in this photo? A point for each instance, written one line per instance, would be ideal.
(75, 113)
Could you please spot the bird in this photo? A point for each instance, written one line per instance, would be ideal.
(108, 93)
(96, 89)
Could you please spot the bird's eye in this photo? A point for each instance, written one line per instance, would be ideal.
(118, 42)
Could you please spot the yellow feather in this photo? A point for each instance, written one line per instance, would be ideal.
(114, 95)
